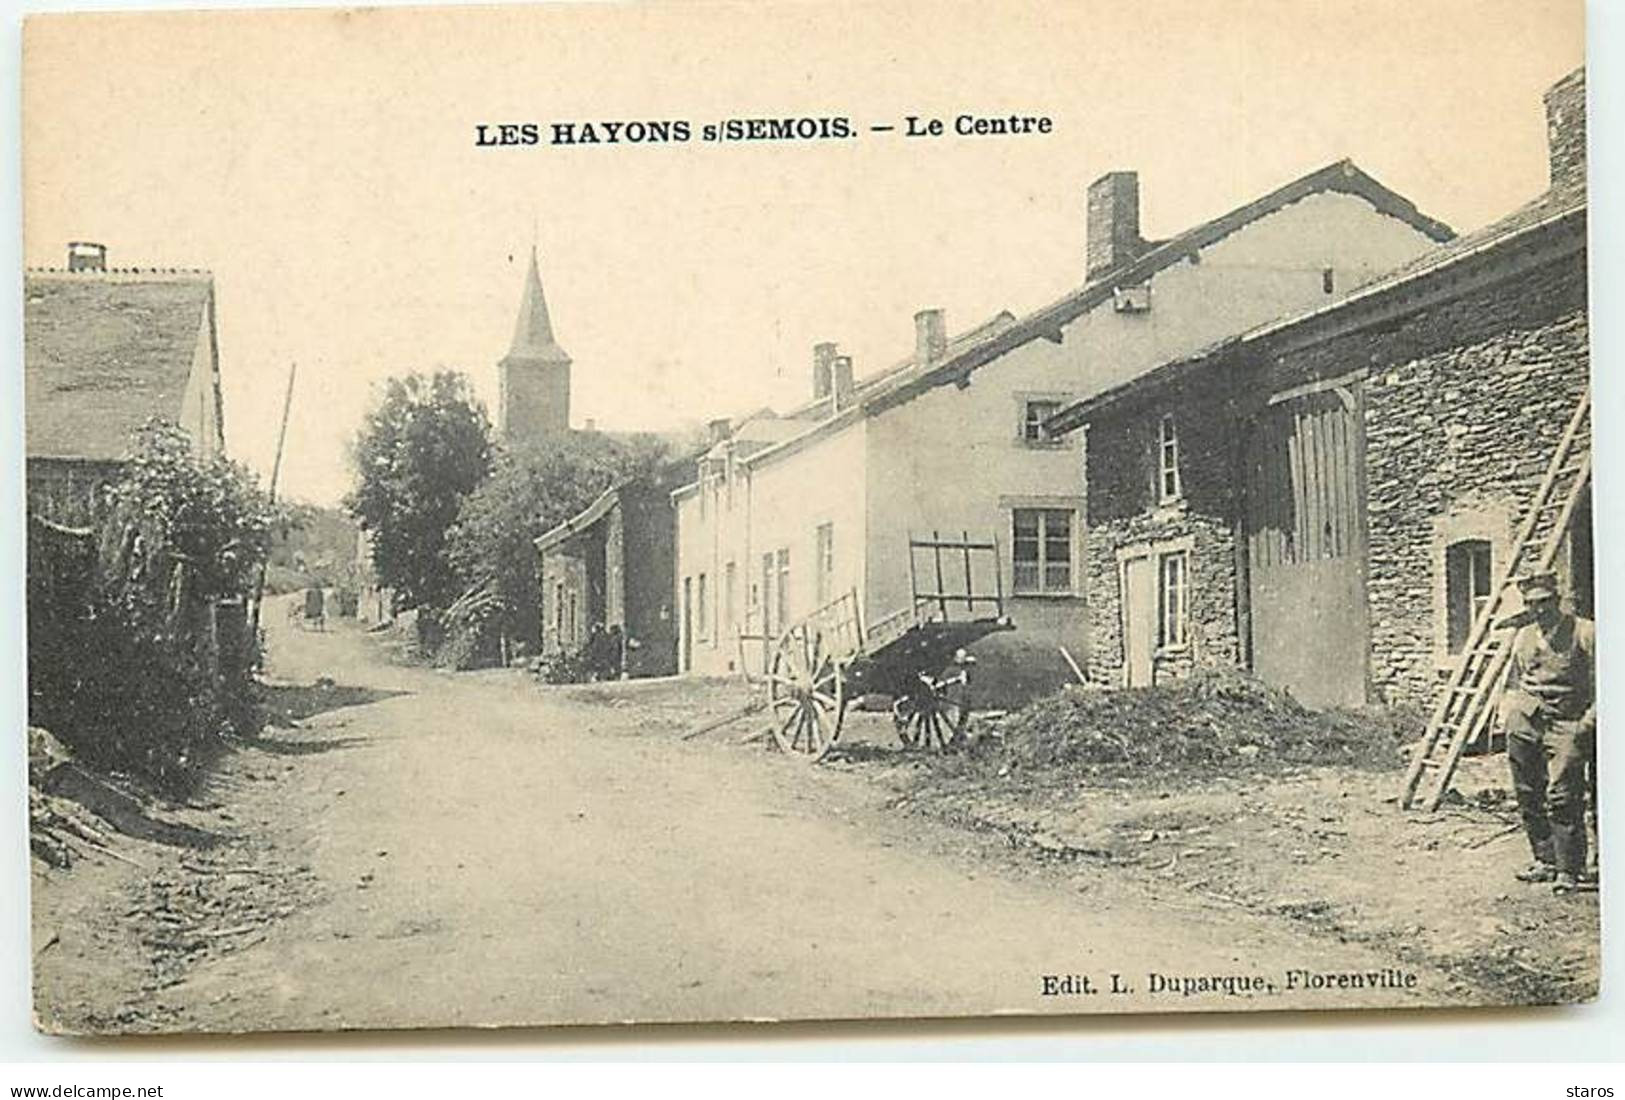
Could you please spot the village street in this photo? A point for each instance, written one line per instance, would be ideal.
(473, 849)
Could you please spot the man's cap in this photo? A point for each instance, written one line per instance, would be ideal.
(1538, 584)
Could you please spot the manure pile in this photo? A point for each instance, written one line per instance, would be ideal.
(1216, 719)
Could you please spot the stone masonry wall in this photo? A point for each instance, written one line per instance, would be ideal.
(1465, 404)
(1121, 468)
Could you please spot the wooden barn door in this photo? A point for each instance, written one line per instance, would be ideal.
(1305, 522)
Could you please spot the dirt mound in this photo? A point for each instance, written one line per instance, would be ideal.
(1213, 720)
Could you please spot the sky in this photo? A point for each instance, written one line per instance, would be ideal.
(323, 165)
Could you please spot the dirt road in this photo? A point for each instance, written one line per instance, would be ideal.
(483, 851)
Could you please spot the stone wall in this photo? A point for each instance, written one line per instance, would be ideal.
(1121, 468)
(1465, 404)
(569, 566)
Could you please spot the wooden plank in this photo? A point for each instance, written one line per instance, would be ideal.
(1336, 498)
(1315, 471)
(952, 544)
(936, 555)
(1295, 480)
(969, 587)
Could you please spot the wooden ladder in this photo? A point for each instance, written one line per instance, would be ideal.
(1468, 700)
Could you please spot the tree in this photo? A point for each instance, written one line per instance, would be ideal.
(424, 447)
(533, 488)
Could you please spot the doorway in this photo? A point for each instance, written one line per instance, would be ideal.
(688, 624)
(1138, 579)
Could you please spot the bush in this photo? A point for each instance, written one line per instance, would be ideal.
(140, 653)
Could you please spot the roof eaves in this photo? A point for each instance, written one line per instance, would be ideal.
(1076, 414)
(582, 520)
(1048, 321)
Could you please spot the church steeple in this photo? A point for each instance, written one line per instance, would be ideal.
(533, 335)
(534, 377)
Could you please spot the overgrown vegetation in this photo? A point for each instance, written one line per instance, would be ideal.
(531, 490)
(141, 655)
(453, 516)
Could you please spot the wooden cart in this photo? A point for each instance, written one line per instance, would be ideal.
(915, 655)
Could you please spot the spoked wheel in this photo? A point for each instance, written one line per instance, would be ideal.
(935, 712)
(806, 694)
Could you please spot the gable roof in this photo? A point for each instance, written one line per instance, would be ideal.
(533, 339)
(1340, 176)
(869, 395)
(579, 522)
(104, 352)
(1553, 212)
(972, 350)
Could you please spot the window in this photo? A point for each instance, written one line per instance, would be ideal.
(1328, 280)
(702, 625)
(782, 588)
(1168, 487)
(1034, 413)
(1467, 587)
(768, 622)
(570, 617)
(1132, 299)
(558, 612)
(1173, 597)
(1043, 550)
(730, 599)
(826, 562)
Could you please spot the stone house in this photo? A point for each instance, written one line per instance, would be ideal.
(788, 512)
(611, 565)
(1325, 499)
(104, 351)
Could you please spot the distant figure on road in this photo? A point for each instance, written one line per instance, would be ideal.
(1549, 712)
(315, 613)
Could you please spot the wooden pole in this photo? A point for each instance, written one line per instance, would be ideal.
(276, 470)
(282, 432)
(936, 555)
(970, 601)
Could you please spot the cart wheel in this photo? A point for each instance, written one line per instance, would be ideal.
(806, 692)
(934, 714)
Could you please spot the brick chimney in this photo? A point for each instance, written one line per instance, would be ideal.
(841, 382)
(930, 335)
(87, 256)
(1113, 222)
(718, 430)
(1566, 133)
(823, 365)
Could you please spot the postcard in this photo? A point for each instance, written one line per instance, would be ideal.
(588, 514)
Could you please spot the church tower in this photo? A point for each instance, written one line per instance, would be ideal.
(534, 377)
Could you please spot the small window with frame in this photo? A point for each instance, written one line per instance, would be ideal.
(1467, 588)
(1173, 600)
(1034, 412)
(1169, 487)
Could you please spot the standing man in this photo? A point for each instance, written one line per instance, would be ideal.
(1549, 712)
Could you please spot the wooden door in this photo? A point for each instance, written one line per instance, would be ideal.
(1139, 579)
(1306, 559)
